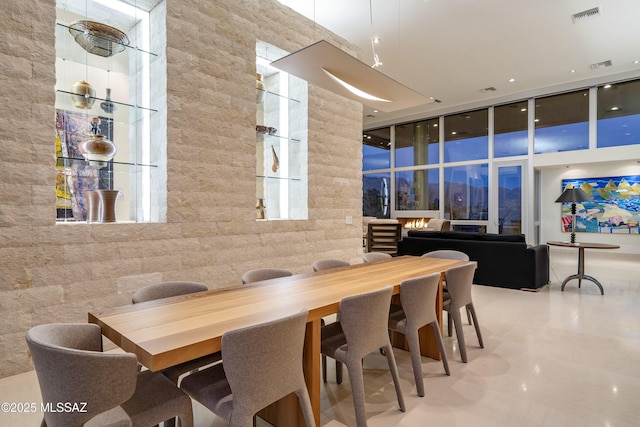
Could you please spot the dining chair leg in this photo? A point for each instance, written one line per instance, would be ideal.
(457, 322)
(472, 309)
(338, 372)
(324, 368)
(416, 361)
(468, 315)
(449, 325)
(357, 390)
(443, 354)
(391, 360)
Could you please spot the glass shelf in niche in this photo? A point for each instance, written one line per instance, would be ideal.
(278, 178)
(76, 162)
(130, 59)
(275, 135)
(64, 102)
(269, 93)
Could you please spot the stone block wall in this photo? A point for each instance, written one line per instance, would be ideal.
(58, 272)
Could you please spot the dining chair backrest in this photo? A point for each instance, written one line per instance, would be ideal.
(71, 367)
(447, 254)
(459, 282)
(418, 299)
(259, 274)
(326, 264)
(173, 289)
(375, 256)
(263, 363)
(364, 320)
(166, 290)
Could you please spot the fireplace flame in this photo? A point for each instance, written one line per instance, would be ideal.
(415, 224)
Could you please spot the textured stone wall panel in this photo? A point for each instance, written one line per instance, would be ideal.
(59, 272)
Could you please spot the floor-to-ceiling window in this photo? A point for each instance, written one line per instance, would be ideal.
(448, 166)
(619, 114)
(376, 181)
(562, 122)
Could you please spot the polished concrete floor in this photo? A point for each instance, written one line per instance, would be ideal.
(551, 359)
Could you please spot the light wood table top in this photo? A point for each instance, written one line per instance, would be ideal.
(170, 331)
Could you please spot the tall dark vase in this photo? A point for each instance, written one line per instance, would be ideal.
(108, 199)
(93, 205)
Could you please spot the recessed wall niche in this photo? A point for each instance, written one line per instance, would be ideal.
(111, 69)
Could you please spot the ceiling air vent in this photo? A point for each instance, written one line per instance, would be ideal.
(488, 89)
(585, 14)
(603, 64)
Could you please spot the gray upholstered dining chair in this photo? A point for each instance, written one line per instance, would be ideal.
(261, 364)
(450, 254)
(459, 283)
(171, 289)
(447, 254)
(418, 309)
(326, 264)
(258, 274)
(362, 329)
(166, 289)
(375, 256)
(71, 367)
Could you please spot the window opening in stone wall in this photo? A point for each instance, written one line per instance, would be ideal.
(281, 139)
(110, 126)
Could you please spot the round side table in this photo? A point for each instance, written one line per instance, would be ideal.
(581, 247)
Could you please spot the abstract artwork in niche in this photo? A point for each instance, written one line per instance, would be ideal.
(74, 175)
(614, 208)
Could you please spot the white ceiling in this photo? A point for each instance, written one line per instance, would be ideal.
(451, 49)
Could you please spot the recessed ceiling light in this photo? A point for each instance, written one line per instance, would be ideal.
(607, 86)
(523, 109)
(375, 111)
(637, 61)
(454, 133)
(572, 71)
(536, 120)
(615, 108)
(376, 40)
(511, 80)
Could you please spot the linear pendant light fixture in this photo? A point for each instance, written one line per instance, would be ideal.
(331, 68)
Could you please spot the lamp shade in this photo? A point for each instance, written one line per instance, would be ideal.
(573, 195)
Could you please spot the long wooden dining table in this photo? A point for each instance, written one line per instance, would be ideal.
(166, 332)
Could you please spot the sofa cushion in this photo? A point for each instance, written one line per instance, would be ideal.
(461, 235)
(457, 235)
(514, 238)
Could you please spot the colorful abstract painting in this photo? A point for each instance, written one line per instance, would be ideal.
(614, 208)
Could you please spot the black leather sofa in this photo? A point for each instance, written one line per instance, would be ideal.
(503, 260)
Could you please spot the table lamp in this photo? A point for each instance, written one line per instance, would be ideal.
(573, 195)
